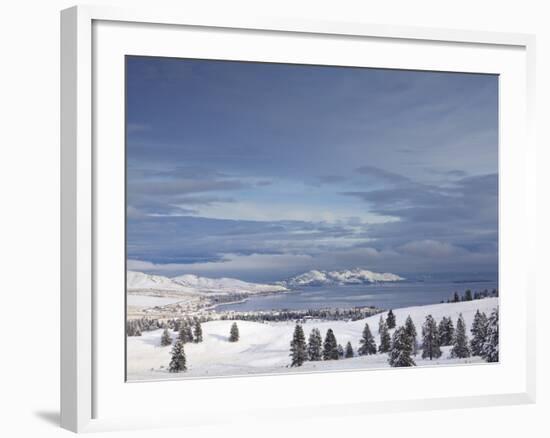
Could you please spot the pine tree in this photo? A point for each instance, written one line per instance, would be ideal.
(479, 333)
(330, 346)
(385, 340)
(234, 333)
(315, 343)
(349, 350)
(188, 332)
(185, 333)
(461, 347)
(178, 362)
(456, 298)
(390, 320)
(340, 351)
(165, 339)
(490, 348)
(401, 349)
(367, 343)
(410, 329)
(298, 349)
(430, 339)
(381, 323)
(197, 332)
(446, 331)
(468, 295)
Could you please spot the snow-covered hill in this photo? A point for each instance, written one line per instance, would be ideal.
(353, 276)
(264, 347)
(195, 285)
(233, 285)
(138, 281)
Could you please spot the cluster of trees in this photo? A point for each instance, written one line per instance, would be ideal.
(135, 327)
(178, 362)
(484, 342)
(186, 333)
(468, 296)
(403, 345)
(353, 314)
(315, 349)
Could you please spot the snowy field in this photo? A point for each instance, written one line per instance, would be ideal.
(263, 348)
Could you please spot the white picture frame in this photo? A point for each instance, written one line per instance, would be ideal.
(90, 401)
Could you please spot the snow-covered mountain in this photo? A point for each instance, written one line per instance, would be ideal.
(353, 276)
(136, 281)
(225, 285)
(195, 285)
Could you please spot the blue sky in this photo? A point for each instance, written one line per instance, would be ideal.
(262, 171)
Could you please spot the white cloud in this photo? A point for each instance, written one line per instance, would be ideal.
(269, 211)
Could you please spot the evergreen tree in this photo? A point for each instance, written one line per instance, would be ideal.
(446, 331)
(367, 343)
(185, 333)
(385, 340)
(178, 362)
(340, 351)
(197, 331)
(390, 320)
(298, 349)
(456, 298)
(314, 345)
(461, 347)
(490, 348)
(410, 329)
(468, 295)
(165, 339)
(381, 323)
(349, 350)
(330, 346)
(430, 339)
(188, 332)
(401, 349)
(234, 333)
(479, 333)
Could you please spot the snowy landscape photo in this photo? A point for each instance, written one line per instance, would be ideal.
(286, 218)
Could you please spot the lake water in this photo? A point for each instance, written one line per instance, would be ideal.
(381, 295)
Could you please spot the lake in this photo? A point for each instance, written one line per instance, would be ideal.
(381, 295)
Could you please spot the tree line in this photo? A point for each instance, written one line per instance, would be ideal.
(468, 296)
(403, 345)
(353, 314)
(136, 327)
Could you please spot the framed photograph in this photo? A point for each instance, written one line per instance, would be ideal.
(251, 207)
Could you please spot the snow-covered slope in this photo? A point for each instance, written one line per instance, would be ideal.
(353, 276)
(193, 284)
(138, 281)
(264, 347)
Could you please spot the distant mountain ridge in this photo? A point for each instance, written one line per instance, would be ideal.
(195, 285)
(190, 284)
(343, 277)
